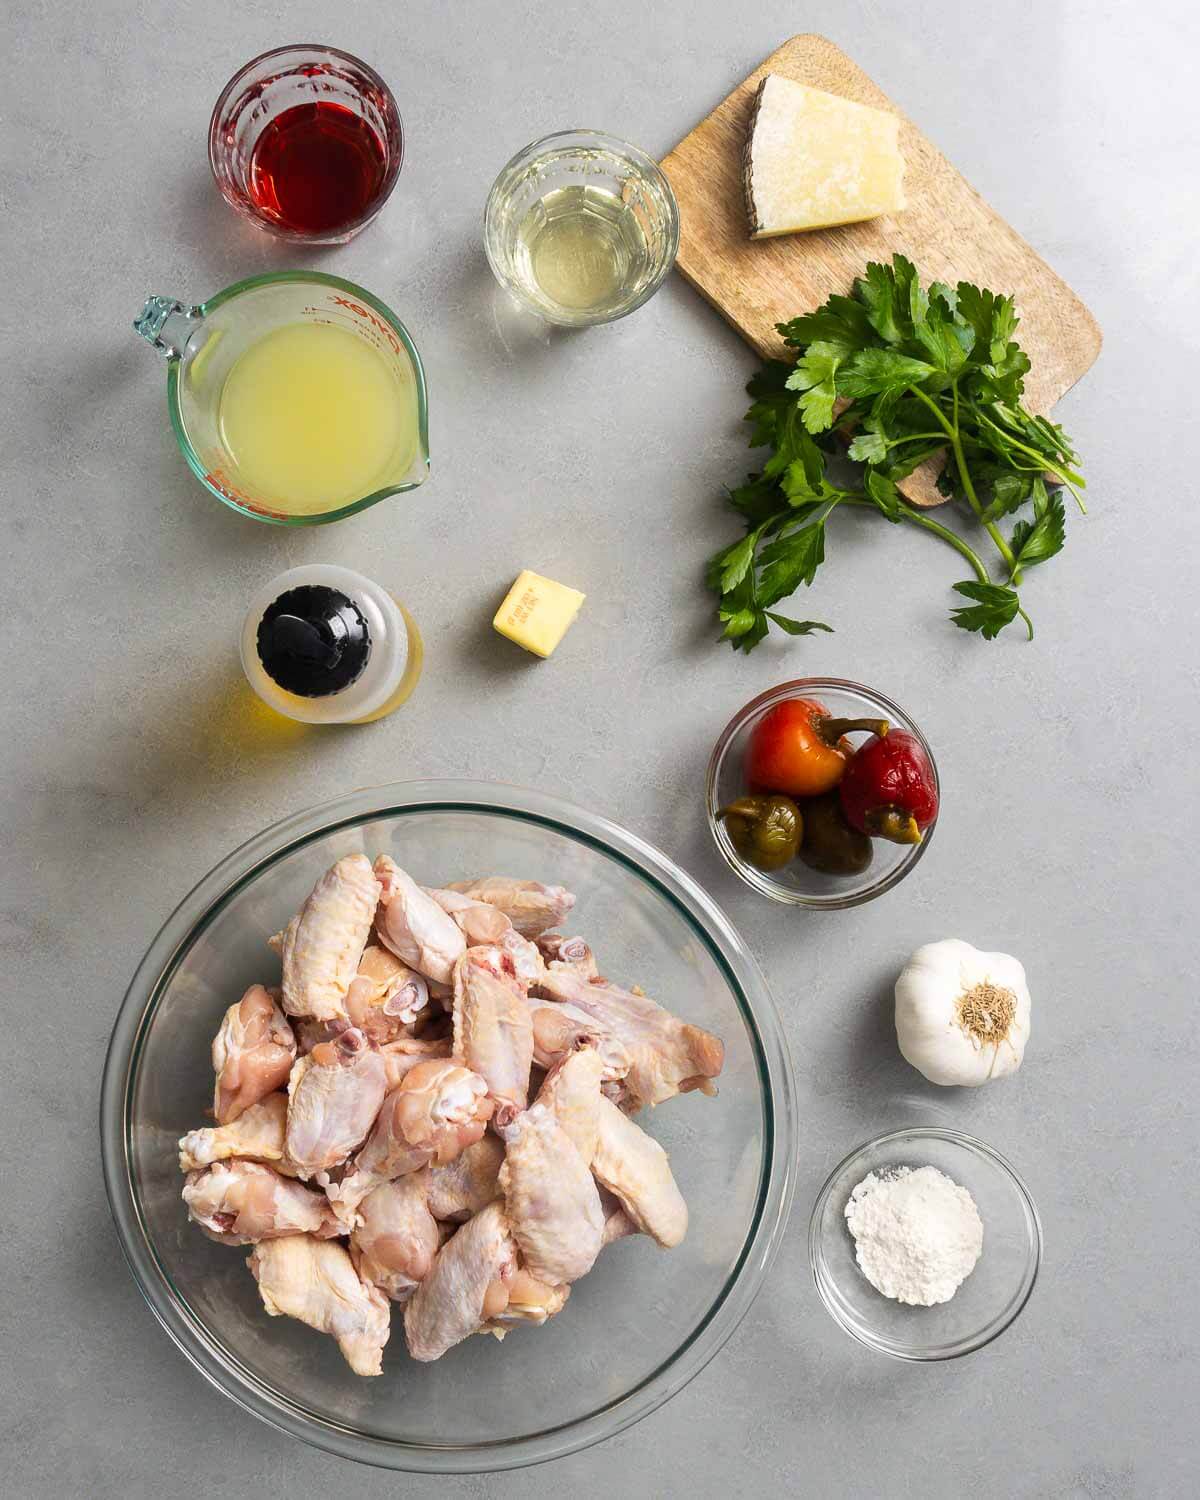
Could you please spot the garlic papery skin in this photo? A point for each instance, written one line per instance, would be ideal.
(962, 1016)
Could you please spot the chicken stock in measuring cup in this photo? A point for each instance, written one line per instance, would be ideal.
(296, 398)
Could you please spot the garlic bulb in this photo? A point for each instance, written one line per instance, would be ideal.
(962, 1017)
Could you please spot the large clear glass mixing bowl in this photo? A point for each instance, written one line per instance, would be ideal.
(641, 1324)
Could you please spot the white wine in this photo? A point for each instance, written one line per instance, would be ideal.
(582, 248)
(581, 228)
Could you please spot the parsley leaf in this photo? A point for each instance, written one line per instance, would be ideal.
(868, 447)
(877, 289)
(791, 560)
(878, 370)
(945, 342)
(997, 607)
(883, 491)
(737, 622)
(772, 403)
(735, 563)
(841, 321)
(745, 626)
(816, 376)
(757, 499)
(976, 306)
(1008, 491)
(799, 487)
(796, 627)
(1034, 541)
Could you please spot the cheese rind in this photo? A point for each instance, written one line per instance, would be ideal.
(537, 612)
(813, 160)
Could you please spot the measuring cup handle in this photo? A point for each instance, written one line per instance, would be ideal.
(167, 323)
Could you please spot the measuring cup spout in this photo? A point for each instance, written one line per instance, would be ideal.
(418, 471)
(168, 323)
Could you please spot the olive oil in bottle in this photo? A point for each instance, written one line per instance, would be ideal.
(582, 248)
(324, 645)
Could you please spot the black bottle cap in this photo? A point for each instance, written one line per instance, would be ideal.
(313, 641)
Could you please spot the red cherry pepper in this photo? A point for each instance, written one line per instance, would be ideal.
(889, 789)
(798, 749)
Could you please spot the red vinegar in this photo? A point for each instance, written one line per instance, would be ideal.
(317, 168)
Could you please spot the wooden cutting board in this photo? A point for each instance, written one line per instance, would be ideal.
(947, 231)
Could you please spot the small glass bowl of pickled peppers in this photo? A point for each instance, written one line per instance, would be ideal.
(822, 793)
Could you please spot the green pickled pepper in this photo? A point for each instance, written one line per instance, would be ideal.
(765, 831)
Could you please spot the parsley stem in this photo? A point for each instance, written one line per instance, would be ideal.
(964, 474)
(1006, 435)
(913, 437)
(1044, 465)
(951, 432)
(915, 518)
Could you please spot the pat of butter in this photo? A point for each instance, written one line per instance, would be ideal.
(537, 612)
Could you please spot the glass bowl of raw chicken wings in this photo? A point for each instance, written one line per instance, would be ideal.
(448, 1127)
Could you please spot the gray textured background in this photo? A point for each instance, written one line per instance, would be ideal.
(1069, 831)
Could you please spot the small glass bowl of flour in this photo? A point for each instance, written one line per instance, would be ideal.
(925, 1243)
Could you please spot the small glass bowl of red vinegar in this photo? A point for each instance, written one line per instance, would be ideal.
(306, 142)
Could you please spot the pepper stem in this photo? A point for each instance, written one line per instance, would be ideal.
(893, 823)
(831, 730)
(742, 807)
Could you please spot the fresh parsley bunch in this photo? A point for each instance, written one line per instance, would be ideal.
(908, 375)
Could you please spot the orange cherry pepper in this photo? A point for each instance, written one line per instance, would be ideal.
(797, 748)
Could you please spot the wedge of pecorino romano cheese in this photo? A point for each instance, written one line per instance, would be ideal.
(813, 159)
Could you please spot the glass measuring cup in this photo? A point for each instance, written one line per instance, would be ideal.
(203, 342)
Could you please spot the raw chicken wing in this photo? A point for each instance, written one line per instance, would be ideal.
(466, 1288)
(385, 996)
(571, 1092)
(529, 1301)
(438, 1110)
(478, 922)
(530, 906)
(397, 1237)
(527, 962)
(550, 1198)
(242, 1202)
(387, 1154)
(386, 1001)
(483, 926)
(667, 1056)
(462, 1187)
(402, 1056)
(493, 1031)
(559, 1030)
(414, 926)
(334, 1095)
(568, 953)
(617, 1223)
(257, 1134)
(315, 1281)
(252, 1053)
(634, 1167)
(444, 1107)
(323, 943)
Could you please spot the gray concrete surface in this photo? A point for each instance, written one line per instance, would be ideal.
(1069, 831)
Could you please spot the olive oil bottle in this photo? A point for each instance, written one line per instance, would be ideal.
(324, 645)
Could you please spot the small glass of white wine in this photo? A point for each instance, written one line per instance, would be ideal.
(581, 227)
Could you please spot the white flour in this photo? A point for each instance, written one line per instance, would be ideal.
(916, 1233)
